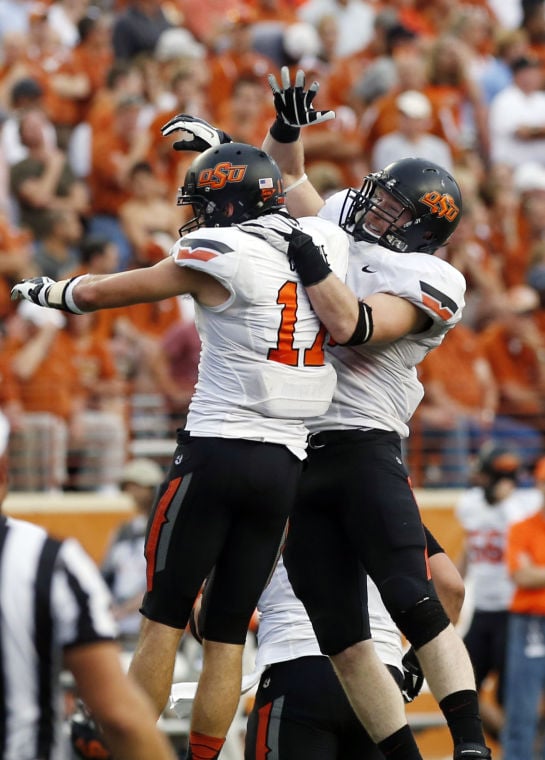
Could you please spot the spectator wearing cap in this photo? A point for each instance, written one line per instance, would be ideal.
(412, 137)
(525, 664)
(517, 116)
(124, 565)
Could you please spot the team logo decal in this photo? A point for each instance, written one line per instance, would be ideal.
(221, 174)
(441, 204)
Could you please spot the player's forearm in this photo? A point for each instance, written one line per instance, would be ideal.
(336, 306)
(290, 157)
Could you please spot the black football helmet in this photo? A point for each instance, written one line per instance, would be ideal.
(230, 184)
(425, 189)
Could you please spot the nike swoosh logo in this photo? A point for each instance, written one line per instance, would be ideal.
(367, 270)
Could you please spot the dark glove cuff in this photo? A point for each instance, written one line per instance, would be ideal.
(310, 265)
(284, 133)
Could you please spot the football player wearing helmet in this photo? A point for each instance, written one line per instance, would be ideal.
(226, 498)
(486, 510)
(355, 498)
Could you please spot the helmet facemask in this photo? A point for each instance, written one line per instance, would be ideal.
(421, 216)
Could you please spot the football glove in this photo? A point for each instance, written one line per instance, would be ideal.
(86, 739)
(413, 677)
(307, 258)
(44, 291)
(200, 135)
(34, 290)
(293, 103)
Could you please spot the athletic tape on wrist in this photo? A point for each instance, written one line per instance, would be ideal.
(302, 178)
(60, 295)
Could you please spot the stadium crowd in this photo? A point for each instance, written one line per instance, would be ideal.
(88, 184)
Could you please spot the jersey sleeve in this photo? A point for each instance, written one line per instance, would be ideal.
(437, 288)
(213, 251)
(80, 598)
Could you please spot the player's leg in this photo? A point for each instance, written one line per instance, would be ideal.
(186, 531)
(326, 574)
(393, 550)
(264, 479)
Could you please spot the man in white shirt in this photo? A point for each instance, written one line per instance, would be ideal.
(517, 117)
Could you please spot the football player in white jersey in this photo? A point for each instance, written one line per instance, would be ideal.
(355, 499)
(300, 709)
(234, 473)
(485, 511)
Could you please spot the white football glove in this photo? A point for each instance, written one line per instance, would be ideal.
(34, 290)
(293, 103)
(200, 135)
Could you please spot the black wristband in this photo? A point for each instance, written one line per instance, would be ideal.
(284, 133)
(310, 265)
(364, 326)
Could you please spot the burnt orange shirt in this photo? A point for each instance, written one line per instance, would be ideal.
(511, 361)
(527, 537)
(107, 195)
(452, 366)
(54, 385)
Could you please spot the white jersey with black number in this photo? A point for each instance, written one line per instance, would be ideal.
(285, 631)
(377, 385)
(51, 597)
(262, 369)
(486, 527)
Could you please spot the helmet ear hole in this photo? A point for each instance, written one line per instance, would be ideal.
(228, 210)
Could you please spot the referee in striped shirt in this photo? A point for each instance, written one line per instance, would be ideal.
(54, 614)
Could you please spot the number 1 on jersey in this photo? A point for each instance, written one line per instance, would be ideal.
(285, 353)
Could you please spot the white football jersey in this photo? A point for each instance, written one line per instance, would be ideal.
(285, 631)
(262, 369)
(377, 385)
(486, 527)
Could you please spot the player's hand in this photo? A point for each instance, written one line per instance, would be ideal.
(34, 290)
(307, 258)
(86, 739)
(199, 134)
(293, 103)
(413, 678)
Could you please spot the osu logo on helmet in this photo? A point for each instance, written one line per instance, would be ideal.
(222, 173)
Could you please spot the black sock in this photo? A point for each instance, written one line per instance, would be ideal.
(400, 745)
(461, 711)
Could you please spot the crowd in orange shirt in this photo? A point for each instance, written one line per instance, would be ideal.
(104, 77)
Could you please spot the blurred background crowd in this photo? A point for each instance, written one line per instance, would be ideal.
(88, 184)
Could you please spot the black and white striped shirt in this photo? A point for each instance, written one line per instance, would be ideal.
(51, 597)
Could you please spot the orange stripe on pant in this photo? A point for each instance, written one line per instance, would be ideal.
(159, 519)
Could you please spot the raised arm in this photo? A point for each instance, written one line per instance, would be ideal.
(283, 142)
